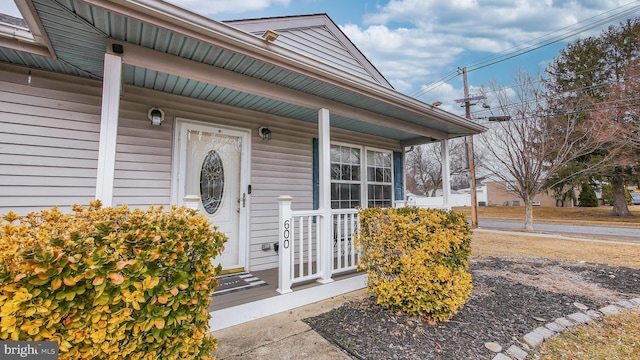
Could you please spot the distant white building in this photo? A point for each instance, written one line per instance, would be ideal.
(460, 197)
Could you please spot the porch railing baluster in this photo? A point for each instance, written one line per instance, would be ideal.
(300, 243)
(309, 246)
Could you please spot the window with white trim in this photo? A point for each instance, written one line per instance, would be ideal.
(352, 181)
(346, 183)
(379, 179)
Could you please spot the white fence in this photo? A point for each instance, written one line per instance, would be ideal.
(458, 199)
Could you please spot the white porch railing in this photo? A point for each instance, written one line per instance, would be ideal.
(344, 227)
(303, 248)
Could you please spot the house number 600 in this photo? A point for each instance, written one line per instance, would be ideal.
(285, 234)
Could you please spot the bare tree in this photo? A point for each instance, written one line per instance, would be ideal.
(424, 167)
(527, 150)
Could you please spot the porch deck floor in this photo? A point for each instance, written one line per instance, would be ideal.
(264, 292)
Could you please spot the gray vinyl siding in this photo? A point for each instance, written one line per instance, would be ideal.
(319, 44)
(282, 166)
(49, 151)
(48, 142)
(316, 37)
(143, 160)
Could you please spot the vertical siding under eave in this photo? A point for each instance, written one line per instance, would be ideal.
(48, 142)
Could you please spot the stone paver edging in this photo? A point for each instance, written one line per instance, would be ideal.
(584, 316)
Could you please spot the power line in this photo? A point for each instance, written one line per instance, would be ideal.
(553, 40)
(530, 101)
(521, 51)
(539, 80)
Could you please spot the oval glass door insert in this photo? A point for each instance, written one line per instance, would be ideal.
(212, 182)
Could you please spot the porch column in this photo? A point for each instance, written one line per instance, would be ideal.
(324, 169)
(111, 84)
(284, 241)
(446, 176)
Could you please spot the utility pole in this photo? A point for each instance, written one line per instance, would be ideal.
(470, 157)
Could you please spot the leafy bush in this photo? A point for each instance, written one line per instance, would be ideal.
(628, 197)
(587, 197)
(110, 283)
(607, 194)
(416, 260)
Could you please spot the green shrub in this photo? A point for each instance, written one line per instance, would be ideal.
(587, 197)
(416, 260)
(110, 283)
(607, 194)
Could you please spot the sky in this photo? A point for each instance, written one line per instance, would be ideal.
(416, 44)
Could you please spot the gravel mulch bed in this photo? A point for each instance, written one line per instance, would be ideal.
(511, 297)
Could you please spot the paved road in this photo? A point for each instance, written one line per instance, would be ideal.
(589, 231)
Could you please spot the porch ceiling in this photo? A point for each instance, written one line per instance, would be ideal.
(79, 31)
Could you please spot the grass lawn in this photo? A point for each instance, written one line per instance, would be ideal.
(495, 244)
(599, 214)
(617, 337)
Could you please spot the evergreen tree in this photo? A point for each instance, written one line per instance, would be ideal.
(598, 78)
(587, 196)
(607, 194)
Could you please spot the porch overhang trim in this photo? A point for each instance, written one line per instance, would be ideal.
(36, 28)
(21, 45)
(212, 32)
(418, 141)
(147, 58)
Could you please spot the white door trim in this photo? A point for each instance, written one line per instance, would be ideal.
(178, 175)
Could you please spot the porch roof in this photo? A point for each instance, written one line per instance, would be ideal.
(169, 49)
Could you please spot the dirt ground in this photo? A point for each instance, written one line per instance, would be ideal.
(520, 282)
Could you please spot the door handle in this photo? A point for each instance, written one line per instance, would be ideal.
(244, 199)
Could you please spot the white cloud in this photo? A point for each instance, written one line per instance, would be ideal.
(208, 7)
(412, 40)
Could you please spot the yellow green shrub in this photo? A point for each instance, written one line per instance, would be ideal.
(110, 283)
(416, 260)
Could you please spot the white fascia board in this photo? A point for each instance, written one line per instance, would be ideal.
(36, 29)
(294, 22)
(17, 42)
(16, 32)
(177, 19)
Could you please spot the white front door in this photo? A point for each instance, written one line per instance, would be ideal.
(213, 165)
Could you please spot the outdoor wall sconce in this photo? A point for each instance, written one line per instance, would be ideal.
(265, 133)
(270, 35)
(156, 116)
